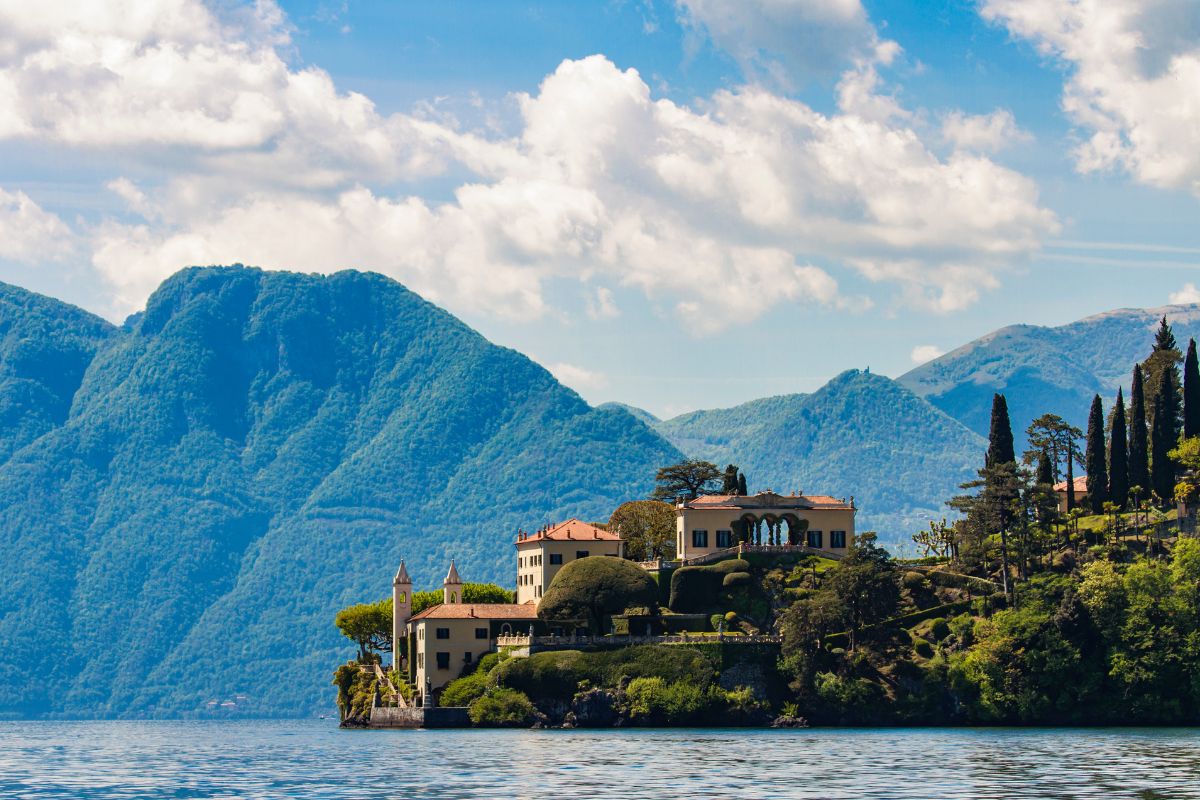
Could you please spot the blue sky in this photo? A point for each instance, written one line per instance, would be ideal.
(676, 205)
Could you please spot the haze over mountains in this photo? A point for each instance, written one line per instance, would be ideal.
(185, 500)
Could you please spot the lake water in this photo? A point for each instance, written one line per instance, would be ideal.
(314, 759)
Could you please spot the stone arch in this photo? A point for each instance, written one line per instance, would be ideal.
(747, 528)
(796, 529)
(773, 528)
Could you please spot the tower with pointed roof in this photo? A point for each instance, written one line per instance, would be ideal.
(401, 611)
(452, 586)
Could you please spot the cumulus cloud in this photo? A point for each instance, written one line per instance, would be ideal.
(29, 234)
(1187, 295)
(718, 210)
(926, 352)
(1134, 82)
(784, 41)
(985, 133)
(578, 378)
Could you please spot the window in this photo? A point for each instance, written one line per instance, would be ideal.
(837, 538)
(537, 591)
(443, 633)
(401, 597)
(467, 657)
(481, 633)
(814, 539)
(724, 538)
(443, 660)
(420, 660)
(421, 633)
(699, 538)
(556, 558)
(581, 553)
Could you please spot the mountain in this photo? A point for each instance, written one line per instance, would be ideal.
(1041, 369)
(190, 498)
(860, 434)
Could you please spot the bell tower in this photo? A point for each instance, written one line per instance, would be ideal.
(401, 611)
(452, 587)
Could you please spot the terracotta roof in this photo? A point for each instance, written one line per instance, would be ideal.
(1080, 485)
(478, 611)
(768, 500)
(571, 530)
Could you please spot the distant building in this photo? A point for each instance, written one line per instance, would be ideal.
(1060, 491)
(720, 522)
(541, 555)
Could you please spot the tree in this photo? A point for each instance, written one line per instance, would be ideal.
(939, 539)
(1161, 375)
(730, 480)
(471, 593)
(1139, 451)
(1095, 458)
(369, 625)
(1162, 469)
(1000, 437)
(742, 484)
(688, 479)
(648, 528)
(1051, 434)
(1191, 392)
(865, 582)
(1118, 455)
(590, 589)
(1045, 472)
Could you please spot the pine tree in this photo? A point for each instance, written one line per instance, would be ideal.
(1191, 392)
(742, 484)
(1095, 456)
(1164, 337)
(1118, 455)
(1161, 374)
(1139, 454)
(1000, 438)
(1162, 469)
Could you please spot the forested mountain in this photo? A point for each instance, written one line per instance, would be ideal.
(190, 498)
(1041, 369)
(860, 434)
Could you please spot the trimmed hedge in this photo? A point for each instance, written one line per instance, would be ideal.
(694, 589)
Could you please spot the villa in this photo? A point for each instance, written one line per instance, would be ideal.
(1081, 493)
(439, 643)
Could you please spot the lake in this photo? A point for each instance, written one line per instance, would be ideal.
(314, 759)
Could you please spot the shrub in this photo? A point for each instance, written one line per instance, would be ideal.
(716, 621)
(592, 588)
(502, 708)
(730, 617)
(922, 647)
(734, 579)
(939, 629)
(694, 589)
(913, 580)
(963, 628)
(655, 700)
(465, 690)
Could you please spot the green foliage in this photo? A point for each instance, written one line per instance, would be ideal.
(687, 479)
(199, 490)
(648, 528)
(502, 708)
(735, 579)
(653, 700)
(593, 588)
(1096, 458)
(471, 593)
(695, 589)
(463, 691)
(368, 625)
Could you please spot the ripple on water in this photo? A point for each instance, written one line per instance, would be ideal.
(313, 759)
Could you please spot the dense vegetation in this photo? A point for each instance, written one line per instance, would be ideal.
(185, 501)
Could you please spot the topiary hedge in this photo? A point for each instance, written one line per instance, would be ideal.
(695, 589)
(590, 589)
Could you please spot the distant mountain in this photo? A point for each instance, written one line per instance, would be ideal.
(641, 413)
(1041, 369)
(189, 499)
(860, 434)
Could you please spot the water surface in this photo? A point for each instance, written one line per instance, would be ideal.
(314, 759)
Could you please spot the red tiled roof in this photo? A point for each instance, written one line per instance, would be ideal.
(767, 500)
(1080, 485)
(478, 611)
(571, 530)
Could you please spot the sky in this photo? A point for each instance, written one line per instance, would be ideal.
(675, 204)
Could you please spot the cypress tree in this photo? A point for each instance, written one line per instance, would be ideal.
(1095, 457)
(742, 484)
(1118, 455)
(1000, 438)
(1191, 392)
(1162, 470)
(1139, 454)
(1045, 473)
(729, 484)
(1164, 337)
(1161, 375)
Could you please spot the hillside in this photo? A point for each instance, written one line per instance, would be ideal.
(1042, 369)
(251, 453)
(860, 434)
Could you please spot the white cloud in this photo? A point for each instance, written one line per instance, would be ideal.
(720, 210)
(1187, 295)
(984, 133)
(601, 305)
(29, 234)
(784, 40)
(926, 352)
(1134, 84)
(577, 377)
